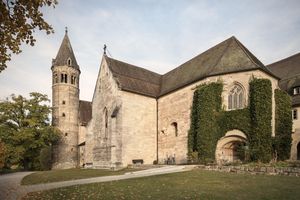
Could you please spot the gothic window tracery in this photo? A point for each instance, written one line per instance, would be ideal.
(236, 98)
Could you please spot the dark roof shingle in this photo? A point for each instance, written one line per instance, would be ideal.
(288, 70)
(135, 79)
(85, 111)
(64, 53)
(228, 56)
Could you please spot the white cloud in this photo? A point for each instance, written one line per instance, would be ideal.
(157, 35)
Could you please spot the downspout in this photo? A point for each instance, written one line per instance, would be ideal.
(157, 130)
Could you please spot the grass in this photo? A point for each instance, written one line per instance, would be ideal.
(68, 174)
(196, 184)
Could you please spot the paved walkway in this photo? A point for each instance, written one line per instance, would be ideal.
(11, 189)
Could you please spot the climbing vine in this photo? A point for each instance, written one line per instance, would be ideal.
(283, 127)
(204, 132)
(260, 107)
(209, 122)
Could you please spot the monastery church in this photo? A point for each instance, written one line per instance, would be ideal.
(138, 116)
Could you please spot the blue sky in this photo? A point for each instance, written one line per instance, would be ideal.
(156, 35)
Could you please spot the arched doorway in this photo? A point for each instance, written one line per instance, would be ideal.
(231, 147)
(298, 151)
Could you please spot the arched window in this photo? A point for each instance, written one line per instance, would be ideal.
(69, 61)
(73, 79)
(175, 128)
(55, 78)
(66, 78)
(236, 98)
(63, 78)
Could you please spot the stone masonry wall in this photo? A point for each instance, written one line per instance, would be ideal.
(176, 107)
(65, 101)
(139, 128)
(105, 144)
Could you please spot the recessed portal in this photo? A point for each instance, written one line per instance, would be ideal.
(231, 147)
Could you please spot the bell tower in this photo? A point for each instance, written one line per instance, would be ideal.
(65, 103)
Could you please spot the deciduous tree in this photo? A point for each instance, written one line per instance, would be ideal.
(19, 19)
(25, 129)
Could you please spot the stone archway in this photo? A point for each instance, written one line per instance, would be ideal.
(229, 147)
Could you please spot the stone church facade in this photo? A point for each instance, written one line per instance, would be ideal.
(138, 116)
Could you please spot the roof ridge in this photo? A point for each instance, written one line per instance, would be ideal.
(197, 56)
(284, 59)
(132, 65)
(135, 78)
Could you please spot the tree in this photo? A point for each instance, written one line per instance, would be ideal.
(25, 129)
(19, 20)
(2, 154)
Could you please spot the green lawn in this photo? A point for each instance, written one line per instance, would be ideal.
(196, 184)
(68, 174)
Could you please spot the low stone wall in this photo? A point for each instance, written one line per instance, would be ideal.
(287, 171)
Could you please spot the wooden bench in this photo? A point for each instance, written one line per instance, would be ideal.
(137, 161)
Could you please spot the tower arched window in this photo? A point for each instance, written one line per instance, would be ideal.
(73, 79)
(66, 78)
(63, 78)
(236, 98)
(69, 62)
(55, 78)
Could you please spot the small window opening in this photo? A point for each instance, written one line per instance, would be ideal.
(63, 114)
(62, 78)
(69, 62)
(295, 114)
(174, 124)
(55, 78)
(63, 102)
(73, 79)
(66, 134)
(296, 90)
(66, 78)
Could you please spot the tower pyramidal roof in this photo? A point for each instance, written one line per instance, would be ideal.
(65, 55)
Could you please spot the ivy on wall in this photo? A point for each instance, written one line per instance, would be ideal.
(260, 141)
(283, 127)
(209, 122)
(204, 132)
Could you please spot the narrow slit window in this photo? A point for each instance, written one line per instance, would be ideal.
(66, 78)
(295, 114)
